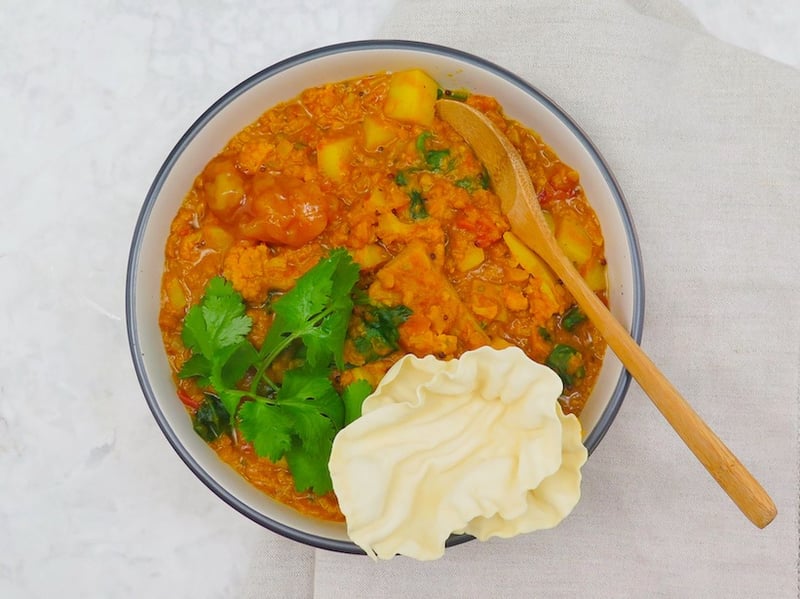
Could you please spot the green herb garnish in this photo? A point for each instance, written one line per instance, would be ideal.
(353, 396)
(563, 361)
(215, 331)
(400, 179)
(467, 183)
(298, 418)
(472, 184)
(381, 336)
(572, 318)
(315, 311)
(452, 94)
(417, 208)
(434, 159)
(545, 334)
(211, 419)
(484, 179)
(421, 139)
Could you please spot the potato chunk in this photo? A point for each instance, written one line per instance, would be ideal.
(376, 133)
(573, 240)
(596, 277)
(411, 97)
(440, 322)
(333, 157)
(529, 260)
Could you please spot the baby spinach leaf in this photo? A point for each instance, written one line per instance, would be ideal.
(572, 318)
(561, 360)
(211, 419)
(434, 159)
(484, 179)
(417, 208)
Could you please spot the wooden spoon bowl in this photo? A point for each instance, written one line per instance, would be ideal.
(512, 184)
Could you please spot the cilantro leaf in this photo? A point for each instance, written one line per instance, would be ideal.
(310, 468)
(472, 184)
(312, 402)
(299, 313)
(198, 365)
(353, 396)
(267, 427)
(215, 331)
(306, 299)
(345, 274)
(231, 399)
(298, 419)
(219, 320)
(421, 139)
(326, 342)
(381, 335)
(239, 360)
(195, 333)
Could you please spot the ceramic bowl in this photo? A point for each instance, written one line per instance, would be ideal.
(243, 104)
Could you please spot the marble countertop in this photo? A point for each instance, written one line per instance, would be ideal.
(94, 94)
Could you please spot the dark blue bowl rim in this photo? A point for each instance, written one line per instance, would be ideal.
(618, 395)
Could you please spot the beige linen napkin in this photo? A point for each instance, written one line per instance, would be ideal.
(703, 139)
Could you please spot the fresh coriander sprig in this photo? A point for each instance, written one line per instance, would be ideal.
(299, 418)
(215, 330)
(381, 336)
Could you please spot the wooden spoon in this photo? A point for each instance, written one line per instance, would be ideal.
(512, 184)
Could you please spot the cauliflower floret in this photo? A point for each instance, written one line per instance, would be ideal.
(244, 268)
(254, 271)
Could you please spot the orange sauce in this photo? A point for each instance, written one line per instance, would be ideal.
(309, 176)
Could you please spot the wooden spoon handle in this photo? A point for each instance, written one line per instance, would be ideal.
(512, 183)
(727, 470)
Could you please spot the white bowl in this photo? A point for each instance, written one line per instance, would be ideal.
(283, 81)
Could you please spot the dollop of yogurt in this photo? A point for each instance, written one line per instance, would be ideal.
(477, 445)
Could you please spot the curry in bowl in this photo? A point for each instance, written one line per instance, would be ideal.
(339, 232)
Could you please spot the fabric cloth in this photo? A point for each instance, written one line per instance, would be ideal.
(702, 138)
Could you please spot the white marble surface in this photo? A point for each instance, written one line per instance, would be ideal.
(92, 97)
(768, 27)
